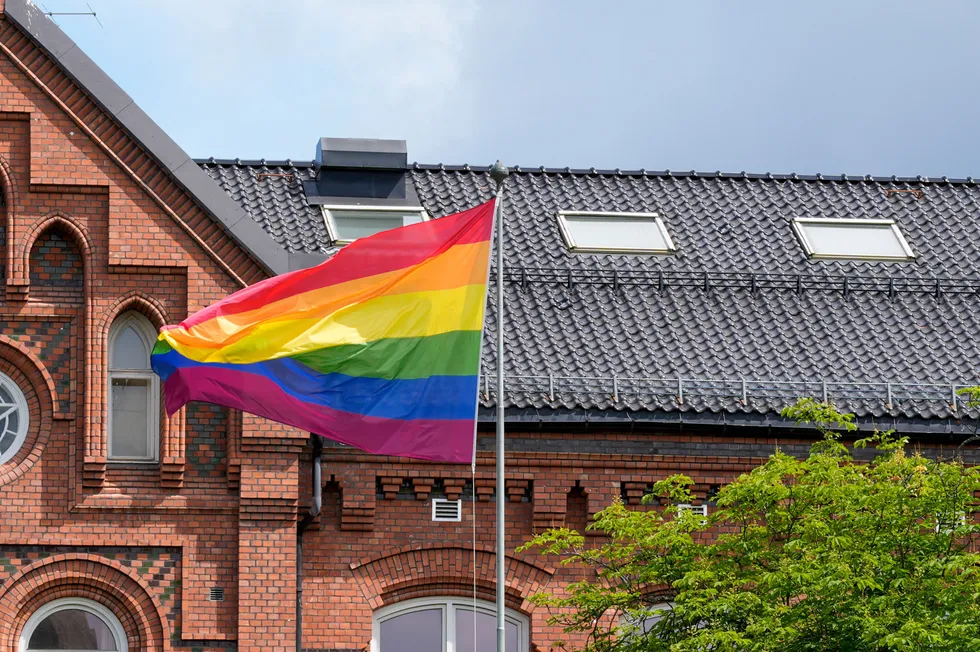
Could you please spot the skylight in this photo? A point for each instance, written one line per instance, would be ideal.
(594, 232)
(852, 239)
(348, 223)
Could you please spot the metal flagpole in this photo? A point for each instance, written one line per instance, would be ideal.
(499, 173)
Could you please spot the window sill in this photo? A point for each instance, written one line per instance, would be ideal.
(132, 464)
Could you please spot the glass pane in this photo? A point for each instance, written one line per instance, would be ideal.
(72, 629)
(6, 441)
(615, 233)
(5, 395)
(486, 632)
(129, 351)
(352, 225)
(852, 240)
(418, 631)
(130, 403)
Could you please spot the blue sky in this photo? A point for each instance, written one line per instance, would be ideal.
(832, 86)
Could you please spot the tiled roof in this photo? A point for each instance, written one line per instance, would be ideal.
(614, 332)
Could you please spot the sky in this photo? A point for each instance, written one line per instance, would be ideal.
(837, 86)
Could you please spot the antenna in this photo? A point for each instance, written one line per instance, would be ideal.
(52, 14)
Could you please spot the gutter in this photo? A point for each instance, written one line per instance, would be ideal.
(301, 527)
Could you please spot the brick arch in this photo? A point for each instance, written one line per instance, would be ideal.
(10, 201)
(96, 439)
(29, 373)
(84, 575)
(55, 221)
(408, 572)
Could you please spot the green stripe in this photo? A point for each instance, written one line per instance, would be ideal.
(162, 346)
(456, 353)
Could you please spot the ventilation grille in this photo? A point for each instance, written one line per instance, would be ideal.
(216, 594)
(447, 510)
(697, 509)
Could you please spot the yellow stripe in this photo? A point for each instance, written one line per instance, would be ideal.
(413, 314)
(458, 266)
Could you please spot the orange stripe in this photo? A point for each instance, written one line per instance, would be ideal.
(460, 265)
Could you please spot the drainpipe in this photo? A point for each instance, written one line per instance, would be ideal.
(300, 528)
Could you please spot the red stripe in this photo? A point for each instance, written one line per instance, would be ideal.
(427, 439)
(383, 252)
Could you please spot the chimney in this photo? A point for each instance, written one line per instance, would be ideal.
(361, 168)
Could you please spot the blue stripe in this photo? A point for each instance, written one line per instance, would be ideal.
(435, 397)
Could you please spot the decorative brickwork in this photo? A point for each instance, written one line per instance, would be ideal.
(51, 340)
(412, 572)
(207, 427)
(56, 262)
(93, 226)
(76, 574)
(158, 567)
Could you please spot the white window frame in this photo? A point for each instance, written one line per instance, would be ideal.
(641, 625)
(448, 606)
(328, 218)
(145, 329)
(20, 405)
(566, 233)
(798, 222)
(94, 608)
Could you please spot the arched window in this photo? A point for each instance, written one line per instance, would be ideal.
(442, 624)
(73, 624)
(13, 418)
(134, 391)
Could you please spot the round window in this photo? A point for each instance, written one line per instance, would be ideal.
(13, 418)
(73, 624)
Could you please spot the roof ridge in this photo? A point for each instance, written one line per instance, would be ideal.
(668, 174)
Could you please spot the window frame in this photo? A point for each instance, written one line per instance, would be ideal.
(20, 401)
(797, 224)
(143, 328)
(331, 224)
(641, 626)
(448, 605)
(63, 604)
(573, 247)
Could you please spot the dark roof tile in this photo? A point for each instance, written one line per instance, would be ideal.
(605, 345)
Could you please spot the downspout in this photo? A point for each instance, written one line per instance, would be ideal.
(300, 528)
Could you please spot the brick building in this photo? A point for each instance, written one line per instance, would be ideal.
(656, 324)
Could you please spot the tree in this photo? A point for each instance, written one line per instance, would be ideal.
(821, 554)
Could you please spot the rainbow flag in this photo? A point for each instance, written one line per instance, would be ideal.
(378, 347)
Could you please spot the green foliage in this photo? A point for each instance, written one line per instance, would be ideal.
(818, 554)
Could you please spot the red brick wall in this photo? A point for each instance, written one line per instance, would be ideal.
(82, 241)
(376, 543)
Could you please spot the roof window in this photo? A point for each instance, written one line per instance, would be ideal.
(348, 223)
(852, 239)
(633, 233)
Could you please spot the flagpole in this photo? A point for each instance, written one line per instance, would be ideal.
(499, 173)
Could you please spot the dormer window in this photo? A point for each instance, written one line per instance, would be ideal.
(348, 223)
(847, 239)
(603, 233)
(362, 188)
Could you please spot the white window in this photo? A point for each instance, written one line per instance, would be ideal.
(636, 626)
(73, 624)
(852, 239)
(13, 419)
(134, 391)
(445, 625)
(348, 223)
(614, 232)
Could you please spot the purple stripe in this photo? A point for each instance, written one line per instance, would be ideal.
(427, 439)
